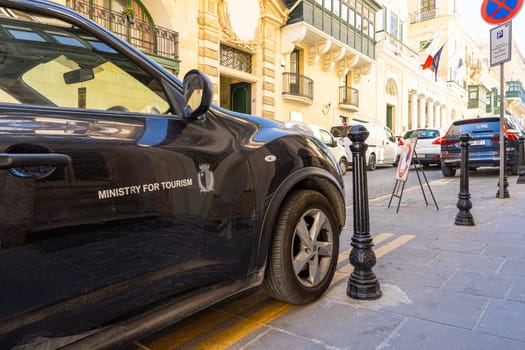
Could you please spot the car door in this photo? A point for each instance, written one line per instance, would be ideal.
(389, 146)
(111, 201)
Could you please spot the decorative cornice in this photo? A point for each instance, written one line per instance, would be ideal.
(330, 59)
(291, 35)
(359, 72)
(344, 65)
(316, 51)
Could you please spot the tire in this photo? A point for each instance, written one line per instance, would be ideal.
(448, 171)
(343, 164)
(301, 264)
(372, 162)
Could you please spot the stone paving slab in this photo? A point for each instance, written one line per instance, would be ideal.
(505, 319)
(517, 292)
(423, 275)
(482, 284)
(339, 324)
(419, 334)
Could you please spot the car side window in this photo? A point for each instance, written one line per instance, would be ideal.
(326, 138)
(52, 63)
(389, 135)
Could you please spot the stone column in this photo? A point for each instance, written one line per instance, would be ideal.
(430, 114)
(209, 33)
(413, 110)
(422, 114)
(437, 116)
(444, 117)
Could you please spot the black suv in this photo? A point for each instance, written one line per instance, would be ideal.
(484, 149)
(129, 201)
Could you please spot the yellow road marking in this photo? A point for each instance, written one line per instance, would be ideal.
(396, 243)
(176, 336)
(244, 327)
(382, 237)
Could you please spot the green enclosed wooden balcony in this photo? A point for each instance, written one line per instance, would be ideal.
(515, 90)
(352, 24)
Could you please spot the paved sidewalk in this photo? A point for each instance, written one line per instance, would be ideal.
(444, 286)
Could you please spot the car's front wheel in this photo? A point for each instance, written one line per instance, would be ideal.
(372, 162)
(343, 164)
(303, 255)
(447, 171)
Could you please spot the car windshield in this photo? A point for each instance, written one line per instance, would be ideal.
(49, 62)
(422, 134)
(489, 126)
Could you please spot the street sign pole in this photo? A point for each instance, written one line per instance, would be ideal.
(502, 190)
(501, 12)
(501, 52)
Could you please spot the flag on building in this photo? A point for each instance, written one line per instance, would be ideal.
(431, 49)
(435, 62)
(461, 69)
(428, 62)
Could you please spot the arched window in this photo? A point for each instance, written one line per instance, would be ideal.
(391, 87)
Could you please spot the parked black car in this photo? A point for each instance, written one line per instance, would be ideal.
(484, 149)
(128, 201)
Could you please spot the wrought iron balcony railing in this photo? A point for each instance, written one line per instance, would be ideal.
(150, 38)
(298, 85)
(423, 15)
(348, 96)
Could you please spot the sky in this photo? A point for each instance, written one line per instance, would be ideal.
(478, 28)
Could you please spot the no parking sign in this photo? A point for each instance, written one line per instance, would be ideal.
(500, 11)
(405, 160)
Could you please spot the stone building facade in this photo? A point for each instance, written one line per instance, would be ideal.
(319, 61)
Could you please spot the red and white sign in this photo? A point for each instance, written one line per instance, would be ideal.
(405, 159)
(500, 11)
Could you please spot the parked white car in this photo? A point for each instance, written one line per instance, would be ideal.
(427, 152)
(382, 145)
(327, 138)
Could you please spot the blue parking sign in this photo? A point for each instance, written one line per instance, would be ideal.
(501, 44)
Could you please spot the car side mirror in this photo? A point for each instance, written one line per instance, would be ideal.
(198, 92)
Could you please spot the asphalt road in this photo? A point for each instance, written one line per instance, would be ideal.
(382, 180)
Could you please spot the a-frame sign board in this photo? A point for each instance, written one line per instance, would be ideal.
(409, 158)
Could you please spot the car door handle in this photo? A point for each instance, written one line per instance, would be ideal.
(15, 160)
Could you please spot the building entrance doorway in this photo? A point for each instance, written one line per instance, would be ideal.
(241, 95)
(390, 116)
(236, 95)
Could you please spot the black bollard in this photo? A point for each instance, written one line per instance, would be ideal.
(363, 283)
(464, 217)
(506, 193)
(521, 162)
